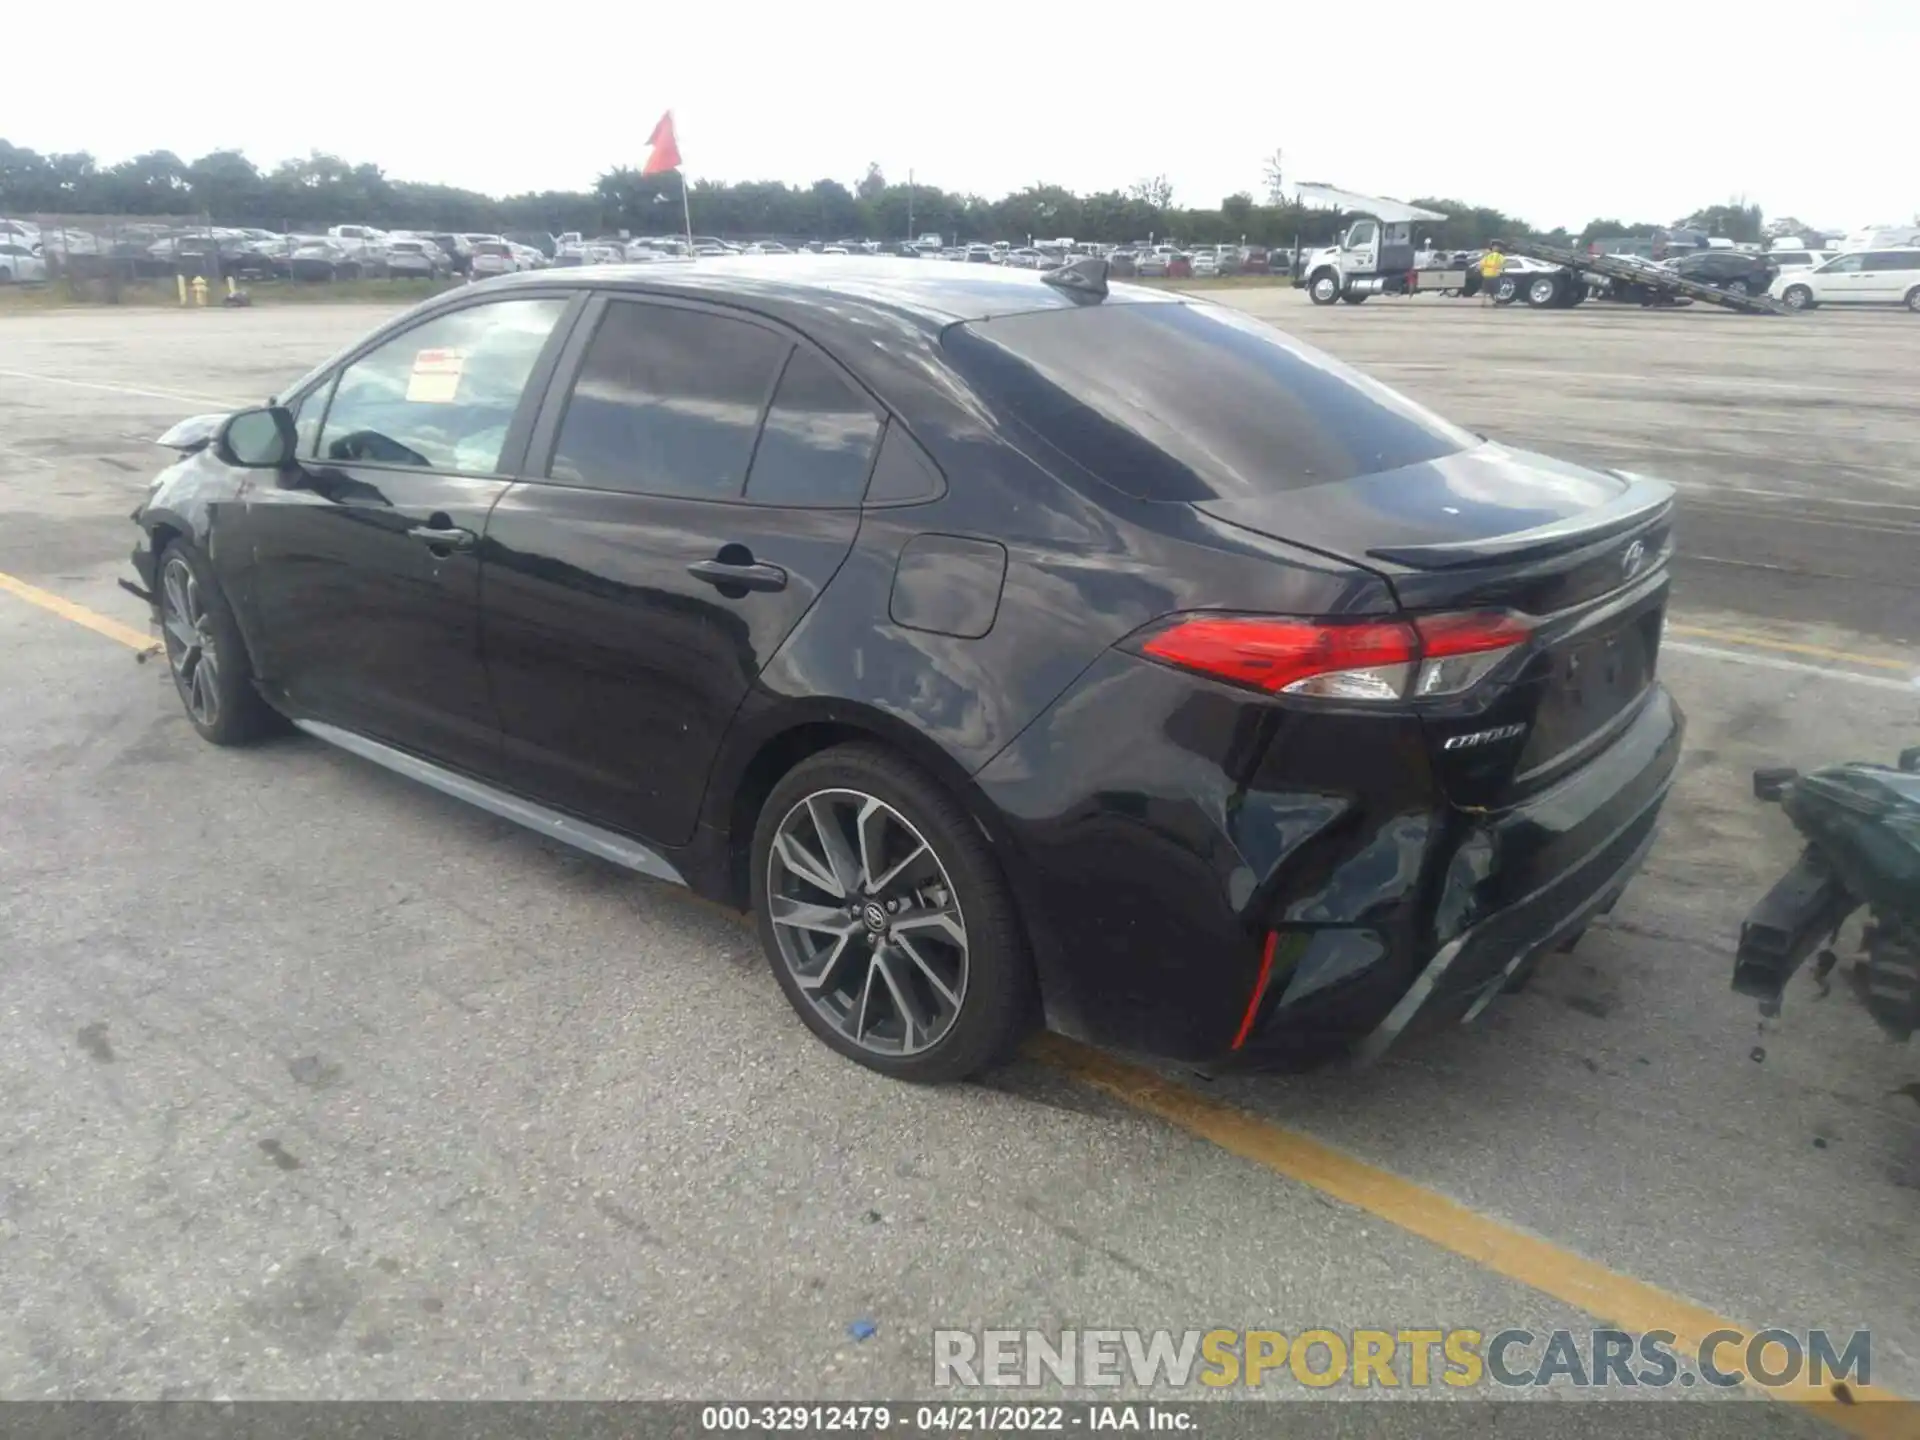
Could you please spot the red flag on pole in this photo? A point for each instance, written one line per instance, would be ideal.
(666, 150)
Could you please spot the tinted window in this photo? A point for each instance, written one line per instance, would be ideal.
(1194, 402)
(667, 403)
(902, 473)
(817, 443)
(1893, 260)
(1789, 257)
(441, 395)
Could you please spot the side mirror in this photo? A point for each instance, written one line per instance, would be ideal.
(263, 439)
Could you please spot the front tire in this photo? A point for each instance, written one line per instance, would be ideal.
(1505, 291)
(1797, 297)
(208, 659)
(1324, 288)
(886, 919)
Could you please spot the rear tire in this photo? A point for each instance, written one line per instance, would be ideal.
(1913, 300)
(206, 655)
(909, 961)
(1505, 291)
(1351, 298)
(1543, 291)
(1738, 287)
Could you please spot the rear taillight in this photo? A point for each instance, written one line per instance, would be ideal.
(1378, 660)
(1457, 651)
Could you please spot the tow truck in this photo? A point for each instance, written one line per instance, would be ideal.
(1376, 257)
(1625, 278)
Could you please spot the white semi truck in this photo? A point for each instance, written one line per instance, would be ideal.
(1376, 256)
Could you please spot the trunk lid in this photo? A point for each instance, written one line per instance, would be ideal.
(1582, 553)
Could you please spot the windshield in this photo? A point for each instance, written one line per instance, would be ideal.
(1193, 402)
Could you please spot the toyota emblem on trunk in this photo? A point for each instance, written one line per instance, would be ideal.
(1634, 557)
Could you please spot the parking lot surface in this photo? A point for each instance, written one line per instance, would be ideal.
(314, 1083)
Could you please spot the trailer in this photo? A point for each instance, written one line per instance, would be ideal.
(1627, 279)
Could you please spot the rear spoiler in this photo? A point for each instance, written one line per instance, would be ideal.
(1643, 501)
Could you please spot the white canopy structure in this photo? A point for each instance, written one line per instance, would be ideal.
(1391, 211)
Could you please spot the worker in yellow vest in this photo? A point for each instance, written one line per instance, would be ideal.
(1491, 264)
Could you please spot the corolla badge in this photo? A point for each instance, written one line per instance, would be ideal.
(1633, 559)
(1482, 737)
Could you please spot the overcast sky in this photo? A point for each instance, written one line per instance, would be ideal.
(1555, 113)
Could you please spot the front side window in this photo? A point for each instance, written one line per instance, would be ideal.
(442, 395)
(1361, 234)
(307, 413)
(817, 444)
(668, 402)
(1845, 265)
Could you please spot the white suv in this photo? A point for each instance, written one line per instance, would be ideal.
(1859, 277)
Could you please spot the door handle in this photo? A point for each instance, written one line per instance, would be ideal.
(448, 537)
(727, 576)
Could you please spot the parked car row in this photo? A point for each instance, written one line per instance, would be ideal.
(353, 251)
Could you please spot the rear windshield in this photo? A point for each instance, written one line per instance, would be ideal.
(1193, 402)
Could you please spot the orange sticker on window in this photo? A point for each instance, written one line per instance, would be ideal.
(435, 378)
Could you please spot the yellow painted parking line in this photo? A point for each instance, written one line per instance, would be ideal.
(1615, 1299)
(1791, 647)
(78, 614)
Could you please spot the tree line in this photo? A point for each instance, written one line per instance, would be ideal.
(226, 188)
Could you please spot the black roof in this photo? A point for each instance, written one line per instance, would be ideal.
(934, 292)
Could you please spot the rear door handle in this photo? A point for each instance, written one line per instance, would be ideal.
(741, 577)
(437, 537)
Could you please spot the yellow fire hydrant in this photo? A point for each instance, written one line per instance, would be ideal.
(199, 289)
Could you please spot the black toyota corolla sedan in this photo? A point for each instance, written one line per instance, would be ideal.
(1017, 648)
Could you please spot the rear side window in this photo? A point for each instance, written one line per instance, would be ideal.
(1894, 260)
(817, 444)
(1193, 402)
(667, 402)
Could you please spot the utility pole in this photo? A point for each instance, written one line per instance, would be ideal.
(909, 204)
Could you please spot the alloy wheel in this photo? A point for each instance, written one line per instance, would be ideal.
(191, 651)
(867, 922)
